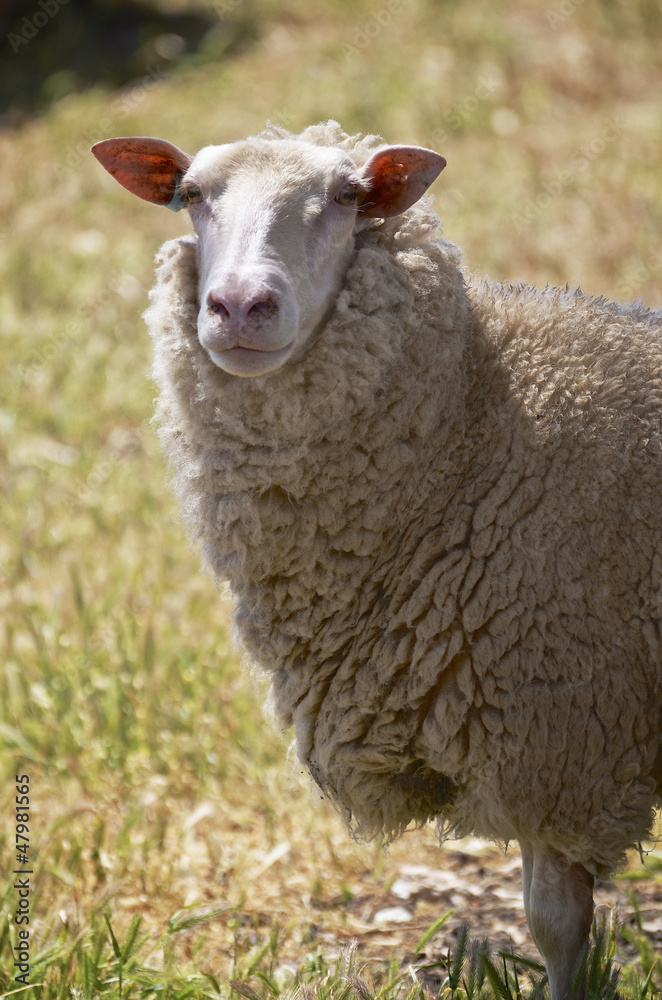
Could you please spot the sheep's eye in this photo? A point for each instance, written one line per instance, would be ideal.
(193, 195)
(347, 195)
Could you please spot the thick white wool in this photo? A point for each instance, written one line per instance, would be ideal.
(443, 529)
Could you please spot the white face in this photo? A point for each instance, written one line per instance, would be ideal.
(275, 221)
(275, 224)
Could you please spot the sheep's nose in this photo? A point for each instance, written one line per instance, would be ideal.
(239, 309)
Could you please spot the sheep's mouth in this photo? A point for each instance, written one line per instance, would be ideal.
(248, 361)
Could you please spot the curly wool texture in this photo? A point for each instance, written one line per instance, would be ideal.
(442, 525)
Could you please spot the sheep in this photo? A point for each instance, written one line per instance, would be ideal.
(437, 501)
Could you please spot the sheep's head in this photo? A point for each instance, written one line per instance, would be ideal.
(275, 221)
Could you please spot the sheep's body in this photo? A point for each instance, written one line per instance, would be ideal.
(443, 529)
(438, 504)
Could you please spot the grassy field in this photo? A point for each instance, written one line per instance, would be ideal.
(173, 845)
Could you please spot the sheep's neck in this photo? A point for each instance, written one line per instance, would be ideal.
(313, 550)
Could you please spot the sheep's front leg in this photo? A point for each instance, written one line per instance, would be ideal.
(558, 900)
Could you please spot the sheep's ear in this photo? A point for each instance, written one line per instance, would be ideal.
(396, 177)
(150, 168)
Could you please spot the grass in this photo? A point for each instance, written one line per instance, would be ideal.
(175, 850)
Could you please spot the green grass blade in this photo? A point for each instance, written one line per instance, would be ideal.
(433, 929)
(116, 948)
(500, 987)
(194, 916)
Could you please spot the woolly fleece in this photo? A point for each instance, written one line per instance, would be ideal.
(443, 529)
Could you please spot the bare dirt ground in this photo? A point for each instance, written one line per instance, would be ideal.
(386, 903)
(483, 886)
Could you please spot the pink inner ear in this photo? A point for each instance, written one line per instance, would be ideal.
(147, 167)
(397, 177)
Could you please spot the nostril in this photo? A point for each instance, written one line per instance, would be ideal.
(237, 309)
(264, 309)
(217, 306)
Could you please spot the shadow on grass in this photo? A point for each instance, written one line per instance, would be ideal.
(50, 48)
